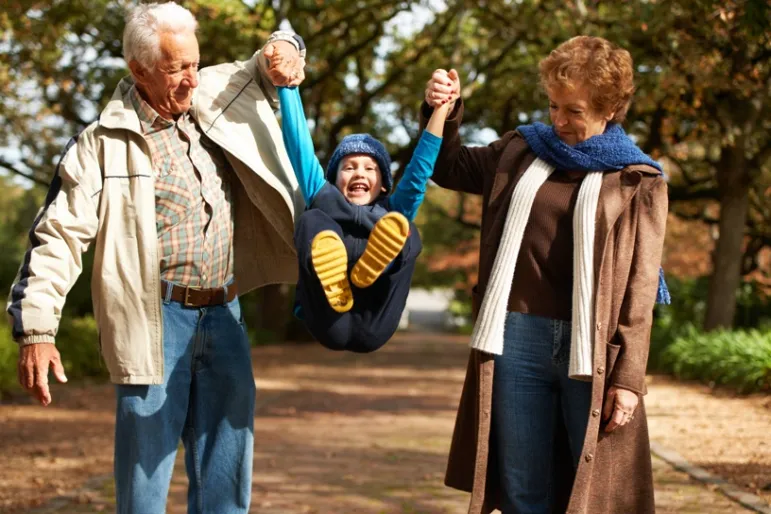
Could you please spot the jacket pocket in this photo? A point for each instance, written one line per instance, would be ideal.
(611, 356)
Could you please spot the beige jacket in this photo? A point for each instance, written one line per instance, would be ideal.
(104, 193)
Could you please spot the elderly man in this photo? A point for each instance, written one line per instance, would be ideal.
(185, 188)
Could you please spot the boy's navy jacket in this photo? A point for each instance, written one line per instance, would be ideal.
(356, 221)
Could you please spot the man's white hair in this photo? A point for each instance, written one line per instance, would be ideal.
(145, 23)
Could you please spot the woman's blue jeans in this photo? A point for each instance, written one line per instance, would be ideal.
(206, 402)
(531, 394)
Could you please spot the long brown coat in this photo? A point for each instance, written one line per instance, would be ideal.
(614, 474)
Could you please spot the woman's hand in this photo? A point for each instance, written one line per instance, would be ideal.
(443, 88)
(619, 407)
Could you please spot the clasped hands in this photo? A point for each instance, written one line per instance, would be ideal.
(285, 66)
(443, 88)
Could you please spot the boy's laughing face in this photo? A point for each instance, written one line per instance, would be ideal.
(359, 179)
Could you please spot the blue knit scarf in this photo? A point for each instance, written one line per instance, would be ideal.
(612, 150)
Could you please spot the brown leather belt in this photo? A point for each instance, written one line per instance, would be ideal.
(196, 297)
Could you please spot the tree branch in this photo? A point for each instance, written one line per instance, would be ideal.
(346, 19)
(686, 194)
(29, 176)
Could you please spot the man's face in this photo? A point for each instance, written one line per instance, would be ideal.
(359, 179)
(168, 87)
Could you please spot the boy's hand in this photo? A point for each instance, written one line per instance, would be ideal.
(285, 66)
(443, 88)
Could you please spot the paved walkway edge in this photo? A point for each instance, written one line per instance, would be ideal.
(676, 460)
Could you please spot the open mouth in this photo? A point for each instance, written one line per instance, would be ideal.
(183, 94)
(358, 189)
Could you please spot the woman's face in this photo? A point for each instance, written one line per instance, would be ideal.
(572, 114)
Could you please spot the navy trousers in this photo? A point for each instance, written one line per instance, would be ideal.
(376, 310)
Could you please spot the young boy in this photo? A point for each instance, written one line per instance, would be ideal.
(352, 220)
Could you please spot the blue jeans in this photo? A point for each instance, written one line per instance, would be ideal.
(206, 401)
(531, 394)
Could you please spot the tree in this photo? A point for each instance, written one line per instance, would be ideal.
(708, 111)
(702, 102)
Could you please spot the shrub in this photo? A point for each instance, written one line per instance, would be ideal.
(689, 305)
(9, 355)
(77, 342)
(740, 359)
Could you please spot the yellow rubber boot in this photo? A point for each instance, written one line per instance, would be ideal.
(385, 242)
(330, 261)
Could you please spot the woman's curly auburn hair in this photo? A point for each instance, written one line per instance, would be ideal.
(604, 68)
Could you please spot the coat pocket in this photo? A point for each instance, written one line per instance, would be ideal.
(611, 356)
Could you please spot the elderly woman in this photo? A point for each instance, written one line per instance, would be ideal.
(551, 417)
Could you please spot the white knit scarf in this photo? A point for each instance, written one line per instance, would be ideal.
(488, 330)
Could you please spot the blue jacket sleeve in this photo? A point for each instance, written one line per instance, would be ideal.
(411, 189)
(298, 143)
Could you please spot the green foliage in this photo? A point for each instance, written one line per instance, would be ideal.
(702, 78)
(78, 344)
(739, 359)
(689, 305)
(460, 308)
(9, 355)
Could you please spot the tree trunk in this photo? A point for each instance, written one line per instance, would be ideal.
(734, 187)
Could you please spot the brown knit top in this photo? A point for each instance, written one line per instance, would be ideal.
(543, 279)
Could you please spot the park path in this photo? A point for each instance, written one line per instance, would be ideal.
(339, 433)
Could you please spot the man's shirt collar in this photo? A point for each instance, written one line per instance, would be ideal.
(149, 119)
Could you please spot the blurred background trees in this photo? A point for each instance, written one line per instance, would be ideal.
(702, 108)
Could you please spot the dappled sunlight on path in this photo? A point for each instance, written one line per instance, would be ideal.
(335, 433)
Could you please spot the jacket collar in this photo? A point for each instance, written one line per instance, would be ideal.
(149, 119)
(618, 189)
(120, 113)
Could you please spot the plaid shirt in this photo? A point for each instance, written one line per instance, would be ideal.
(193, 203)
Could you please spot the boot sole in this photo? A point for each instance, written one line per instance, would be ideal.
(330, 261)
(385, 242)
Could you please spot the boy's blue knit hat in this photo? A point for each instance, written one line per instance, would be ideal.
(361, 144)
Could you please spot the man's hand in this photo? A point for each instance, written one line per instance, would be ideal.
(619, 407)
(34, 362)
(285, 66)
